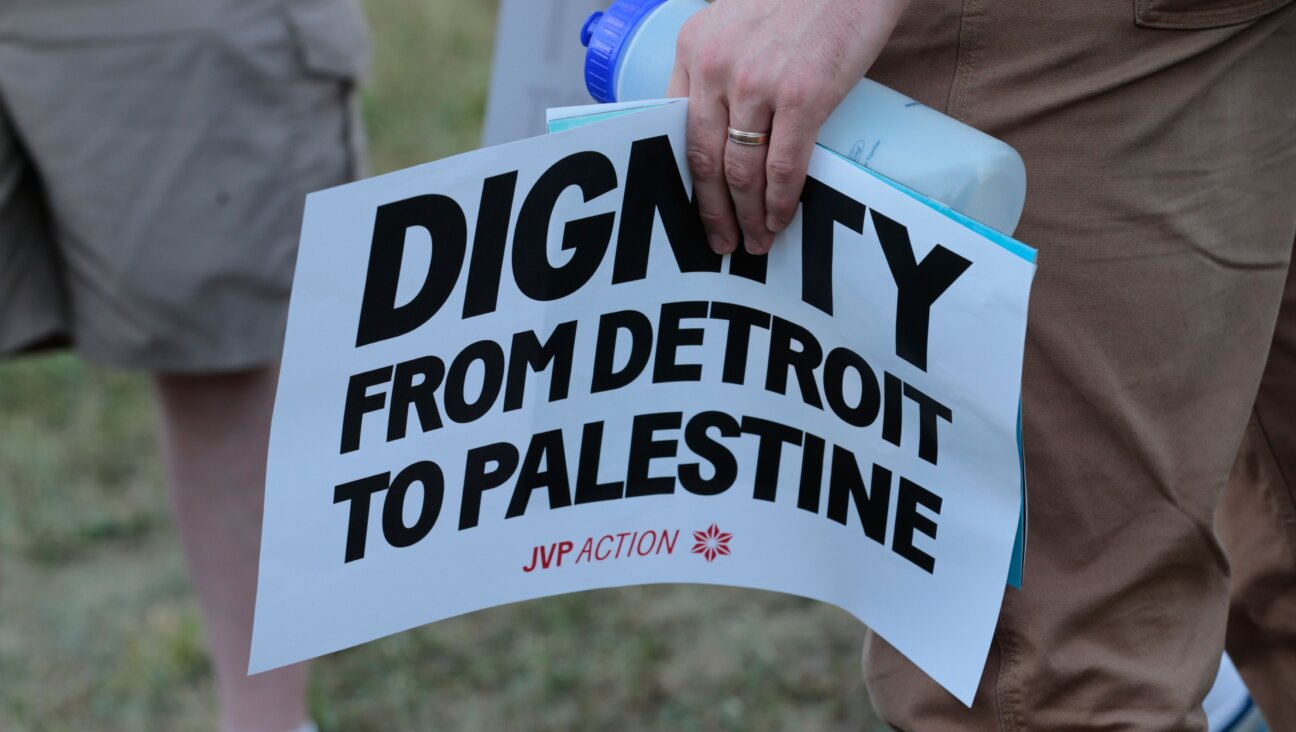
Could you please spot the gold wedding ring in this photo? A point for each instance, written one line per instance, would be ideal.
(748, 138)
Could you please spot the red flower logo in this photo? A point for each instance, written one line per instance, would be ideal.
(711, 543)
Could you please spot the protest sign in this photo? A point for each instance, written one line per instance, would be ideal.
(521, 372)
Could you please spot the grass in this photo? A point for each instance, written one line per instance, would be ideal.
(99, 629)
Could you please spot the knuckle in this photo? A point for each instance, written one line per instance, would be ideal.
(740, 175)
(794, 93)
(748, 84)
(752, 224)
(711, 63)
(692, 28)
(782, 206)
(703, 163)
(782, 211)
(714, 220)
(684, 42)
(782, 172)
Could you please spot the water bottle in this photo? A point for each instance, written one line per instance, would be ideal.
(631, 53)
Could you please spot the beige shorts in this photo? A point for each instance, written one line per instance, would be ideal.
(154, 158)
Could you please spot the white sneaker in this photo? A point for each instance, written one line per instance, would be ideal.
(1228, 705)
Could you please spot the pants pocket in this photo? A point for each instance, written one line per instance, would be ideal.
(1199, 14)
(331, 37)
(332, 45)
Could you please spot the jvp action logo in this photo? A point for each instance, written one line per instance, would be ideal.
(711, 543)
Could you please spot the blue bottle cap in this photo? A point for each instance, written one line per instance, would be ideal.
(605, 35)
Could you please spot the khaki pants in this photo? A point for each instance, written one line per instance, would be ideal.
(1160, 143)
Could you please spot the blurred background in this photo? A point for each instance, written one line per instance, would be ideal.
(99, 629)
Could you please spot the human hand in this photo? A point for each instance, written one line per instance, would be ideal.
(776, 66)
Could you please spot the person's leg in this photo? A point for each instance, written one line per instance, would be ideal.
(215, 430)
(174, 152)
(1257, 523)
(1161, 175)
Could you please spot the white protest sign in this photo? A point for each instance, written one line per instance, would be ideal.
(520, 372)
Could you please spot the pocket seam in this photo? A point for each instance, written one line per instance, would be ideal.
(1203, 19)
(323, 55)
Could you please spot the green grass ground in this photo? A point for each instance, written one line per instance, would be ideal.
(99, 630)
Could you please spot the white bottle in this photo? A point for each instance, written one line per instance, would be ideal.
(631, 53)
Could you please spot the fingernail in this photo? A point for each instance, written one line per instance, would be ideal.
(757, 247)
(720, 245)
(774, 223)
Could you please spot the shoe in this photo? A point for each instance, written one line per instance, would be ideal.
(1228, 705)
